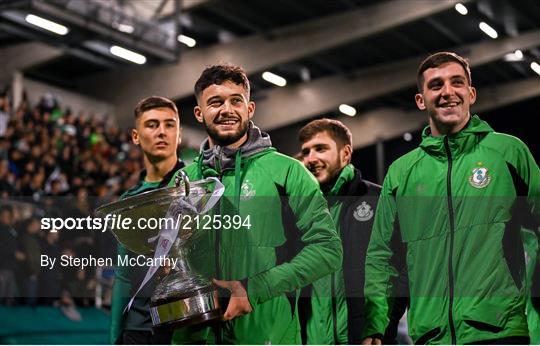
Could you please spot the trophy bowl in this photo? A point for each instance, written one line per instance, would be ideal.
(183, 297)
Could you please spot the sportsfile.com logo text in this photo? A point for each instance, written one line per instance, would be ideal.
(113, 221)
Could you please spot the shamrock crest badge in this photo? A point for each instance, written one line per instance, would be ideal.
(480, 177)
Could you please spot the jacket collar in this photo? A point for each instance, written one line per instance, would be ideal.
(460, 142)
(349, 183)
(346, 175)
(179, 165)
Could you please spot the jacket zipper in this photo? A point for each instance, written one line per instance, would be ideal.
(219, 327)
(218, 233)
(452, 229)
(334, 307)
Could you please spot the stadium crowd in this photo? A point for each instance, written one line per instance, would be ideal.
(56, 163)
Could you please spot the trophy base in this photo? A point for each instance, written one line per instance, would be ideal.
(190, 321)
(189, 309)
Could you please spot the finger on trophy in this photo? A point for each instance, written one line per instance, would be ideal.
(223, 284)
(223, 293)
(216, 298)
(164, 270)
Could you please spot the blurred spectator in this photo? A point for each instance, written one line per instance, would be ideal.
(4, 115)
(50, 281)
(30, 244)
(7, 178)
(82, 288)
(9, 255)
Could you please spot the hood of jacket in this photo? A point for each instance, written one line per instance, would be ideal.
(222, 158)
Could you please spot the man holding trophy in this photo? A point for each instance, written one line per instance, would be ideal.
(287, 239)
(157, 132)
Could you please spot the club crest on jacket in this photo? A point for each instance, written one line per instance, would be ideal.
(480, 177)
(363, 212)
(247, 191)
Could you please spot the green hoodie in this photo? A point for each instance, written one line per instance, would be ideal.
(290, 240)
(454, 201)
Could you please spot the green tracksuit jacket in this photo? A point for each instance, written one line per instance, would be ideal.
(533, 316)
(290, 243)
(458, 202)
(327, 321)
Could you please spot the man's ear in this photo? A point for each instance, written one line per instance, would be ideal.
(198, 113)
(179, 136)
(472, 92)
(251, 109)
(346, 153)
(135, 137)
(420, 101)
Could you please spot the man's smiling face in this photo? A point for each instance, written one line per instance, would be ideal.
(324, 158)
(225, 111)
(446, 96)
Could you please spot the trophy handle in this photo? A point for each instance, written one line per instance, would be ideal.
(185, 179)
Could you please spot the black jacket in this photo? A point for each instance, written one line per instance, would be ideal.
(356, 222)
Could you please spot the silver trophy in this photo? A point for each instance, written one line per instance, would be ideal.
(182, 297)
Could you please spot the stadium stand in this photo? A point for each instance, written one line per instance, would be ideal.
(53, 162)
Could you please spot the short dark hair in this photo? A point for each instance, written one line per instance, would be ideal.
(335, 128)
(436, 60)
(217, 74)
(154, 102)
